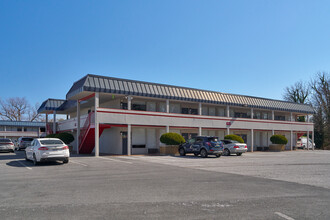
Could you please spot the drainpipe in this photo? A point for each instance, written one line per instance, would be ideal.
(78, 126)
(96, 123)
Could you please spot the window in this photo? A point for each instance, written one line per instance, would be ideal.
(19, 129)
(190, 111)
(123, 105)
(279, 117)
(139, 107)
(241, 115)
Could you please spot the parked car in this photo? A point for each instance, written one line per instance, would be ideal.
(203, 145)
(6, 145)
(47, 149)
(23, 142)
(233, 147)
(302, 143)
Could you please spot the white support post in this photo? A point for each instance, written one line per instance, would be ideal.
(129, 102)
(228, 131)
(199, 131)
(291, 117)
(54, 123)
(273, 115)
(252, 114)
(307, 144)
(78, 126)
(313, 138)
(252, 140)
(5, 130)
(38, 132)
(273, 132)
(200, 108)
(167, 106)
(129, 142)
(228, 111)
(46, 128)
(167, 129)
(96, 123)
(291, 140)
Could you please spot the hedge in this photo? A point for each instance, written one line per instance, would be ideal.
(67, 138)
(234, 137)
(172, 139)
(278, 139)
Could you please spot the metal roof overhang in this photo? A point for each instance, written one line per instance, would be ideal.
(50, 105)
(90, 84)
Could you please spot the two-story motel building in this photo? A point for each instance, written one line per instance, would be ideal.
(120, 116)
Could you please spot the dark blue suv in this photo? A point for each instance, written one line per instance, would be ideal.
(203, 145)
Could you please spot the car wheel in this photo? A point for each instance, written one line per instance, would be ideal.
(218, 155)
(196, 154)
(35, 162)
(203, 153)
(238, 154)
(66, 160)
(226, 152)
(182, 152)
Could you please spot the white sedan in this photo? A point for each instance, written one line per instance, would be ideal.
(47, 149)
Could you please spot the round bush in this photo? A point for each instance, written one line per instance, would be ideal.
(172, 139)
(278, 139)
(234, 137)
(51, 136)
(67, 138)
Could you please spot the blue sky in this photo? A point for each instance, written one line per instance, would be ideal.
(250, 47)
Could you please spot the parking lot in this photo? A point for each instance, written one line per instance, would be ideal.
(261, 185)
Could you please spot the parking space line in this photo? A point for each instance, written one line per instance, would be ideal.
(284, 216)
(106, 158)
(75, 162)
(29, 168)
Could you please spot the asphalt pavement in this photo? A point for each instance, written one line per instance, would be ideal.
(164, 187)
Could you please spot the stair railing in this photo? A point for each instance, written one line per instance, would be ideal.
(85, 128)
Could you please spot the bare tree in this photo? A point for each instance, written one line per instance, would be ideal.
(321, 101)
(33, 114)
(18, 109)
(299, 93)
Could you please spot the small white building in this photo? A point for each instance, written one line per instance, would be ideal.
(120, 116)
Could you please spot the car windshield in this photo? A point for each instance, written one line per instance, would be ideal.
(50, 142)
(27, 139)
(5, 140)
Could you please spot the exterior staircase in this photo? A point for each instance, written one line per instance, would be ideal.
(87, 135)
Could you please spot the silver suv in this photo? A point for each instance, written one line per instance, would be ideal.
(23, 142)
(203, 145)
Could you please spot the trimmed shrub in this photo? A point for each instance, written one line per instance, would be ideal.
(234, 137)
(278, 139)
(172, 139)
(67, 138)
(51, 136)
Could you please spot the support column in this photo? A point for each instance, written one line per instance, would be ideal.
(252, 114)
(200, 108)
(96, 123)
(228, 111)
(167, 129)
(307, 140)
(129, 138)
(313, 138)
(291, 117)
(38, 132)
(200, 131)
(129, 102)
(228, 131)
(252, 140)
(273, 132)
(291, 140)
(167, 106)
(5, 130)
(54, 123)
(78, 126)
(46, 128)
(273, 115)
